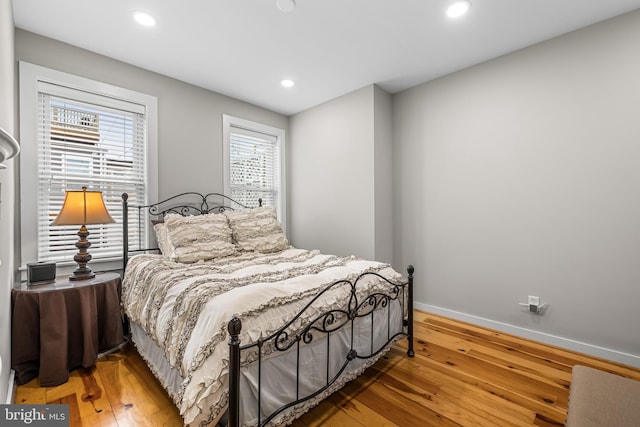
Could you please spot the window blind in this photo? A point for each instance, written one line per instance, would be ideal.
(88, 140)
(254, 167)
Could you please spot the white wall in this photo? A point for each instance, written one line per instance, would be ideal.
(7, 183)
(521, 176)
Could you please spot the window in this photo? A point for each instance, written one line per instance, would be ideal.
(254, 162)
(75, 133)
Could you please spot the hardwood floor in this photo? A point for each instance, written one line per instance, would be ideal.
(461, 375)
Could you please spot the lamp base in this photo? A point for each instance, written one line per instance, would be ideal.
(82, 274)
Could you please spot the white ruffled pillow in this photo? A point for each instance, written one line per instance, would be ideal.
(257, 230)
(162, 237)
(199, 237)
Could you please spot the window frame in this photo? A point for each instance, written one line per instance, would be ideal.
(229, 122)
(31, 76)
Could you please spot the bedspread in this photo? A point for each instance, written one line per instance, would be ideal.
(185, 309)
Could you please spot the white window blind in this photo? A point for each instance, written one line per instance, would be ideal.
(88, 140)
(254, 160)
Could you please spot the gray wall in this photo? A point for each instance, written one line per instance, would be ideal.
(189, 117)
(383, 188)
(331, 176)
(338, 202)
(7, 183)
(190, 137)
(521, 176)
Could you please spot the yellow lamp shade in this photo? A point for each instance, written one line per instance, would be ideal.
(82, 208)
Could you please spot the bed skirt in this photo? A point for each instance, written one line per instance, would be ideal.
(278, 379)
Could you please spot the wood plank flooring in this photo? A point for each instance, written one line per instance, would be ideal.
(462, 375)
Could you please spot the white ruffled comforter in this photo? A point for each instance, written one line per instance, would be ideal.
(185, 309)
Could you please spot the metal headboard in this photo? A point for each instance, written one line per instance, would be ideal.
(188, 203)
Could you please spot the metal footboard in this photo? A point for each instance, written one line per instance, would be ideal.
(327, 323)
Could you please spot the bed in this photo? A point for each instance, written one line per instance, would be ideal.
(241, 328)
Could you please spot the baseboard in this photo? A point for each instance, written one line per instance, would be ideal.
(11, 387)
(580, 347)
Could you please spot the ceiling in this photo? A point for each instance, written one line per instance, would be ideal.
(244, 48)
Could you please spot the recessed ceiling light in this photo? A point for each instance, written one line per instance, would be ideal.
(145, 19)
(286, 5)
(287, 83)
(458, 8)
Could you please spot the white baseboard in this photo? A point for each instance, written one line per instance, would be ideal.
(569, 344)
(11, 387)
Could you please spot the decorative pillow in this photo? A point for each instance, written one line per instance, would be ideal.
(162, 237)
(199, 237)
(257, 230)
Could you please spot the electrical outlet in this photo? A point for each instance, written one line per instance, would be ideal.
(534, 300)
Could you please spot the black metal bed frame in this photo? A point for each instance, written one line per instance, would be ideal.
(326, 323)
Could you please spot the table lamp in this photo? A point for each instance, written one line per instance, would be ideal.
(83, 208)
